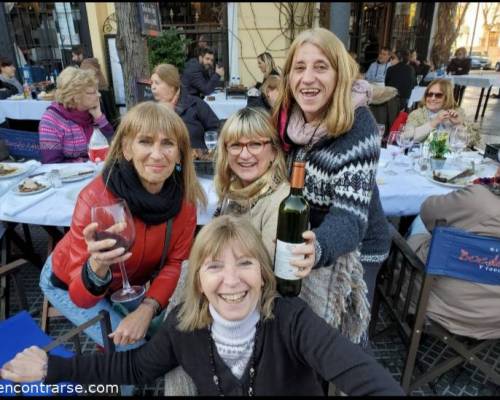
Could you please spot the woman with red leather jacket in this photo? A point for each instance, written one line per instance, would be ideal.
(150, 166)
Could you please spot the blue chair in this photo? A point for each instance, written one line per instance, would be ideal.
(453, 253)
(21, 144)
(21, 331)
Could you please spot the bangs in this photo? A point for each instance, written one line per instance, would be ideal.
(150, 119)
(243, 124)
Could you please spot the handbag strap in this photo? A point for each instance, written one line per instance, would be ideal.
(168, 234)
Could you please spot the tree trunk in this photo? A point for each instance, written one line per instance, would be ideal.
(447, 32)
(132, 49)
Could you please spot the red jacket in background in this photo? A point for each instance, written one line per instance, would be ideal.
(70, 254)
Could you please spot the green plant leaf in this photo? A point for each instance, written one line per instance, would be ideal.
(169, 47)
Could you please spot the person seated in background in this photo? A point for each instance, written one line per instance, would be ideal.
(267, 66)
(232, 334)
(77, 55)
(401, 76)
(8, 81)
(378, 69)
(196, 77)
(107, 99)
(438, 110)
(67, 124)
(267, 95)
(194, 112)
(420, 67)
(149, 166)
(459, 65)
(463, 307)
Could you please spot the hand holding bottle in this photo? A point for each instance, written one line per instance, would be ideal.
(306, 255)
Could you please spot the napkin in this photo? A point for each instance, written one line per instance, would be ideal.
(22, 203)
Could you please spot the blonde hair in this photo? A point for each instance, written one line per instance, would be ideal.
(271, 82)
(210, 242)
(153, 117)
(93, 64)
(169, 74)
(248, 123)
(268, 60)
(447, 88)
(71, 83)
(339, 117)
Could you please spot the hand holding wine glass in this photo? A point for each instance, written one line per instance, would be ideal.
(115, 222)
(210, 140)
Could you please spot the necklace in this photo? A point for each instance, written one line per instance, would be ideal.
(252, 371)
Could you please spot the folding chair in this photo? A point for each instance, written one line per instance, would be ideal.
(21, 331)
(453, 253)
(21, 144)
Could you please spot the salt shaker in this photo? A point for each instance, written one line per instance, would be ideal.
(55, 178)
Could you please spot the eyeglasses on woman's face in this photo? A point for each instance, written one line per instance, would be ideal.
(254, 147)
(437, 95)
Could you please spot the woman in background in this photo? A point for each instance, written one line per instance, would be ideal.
(267, 66)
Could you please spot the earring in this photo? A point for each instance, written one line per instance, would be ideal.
(178, 167)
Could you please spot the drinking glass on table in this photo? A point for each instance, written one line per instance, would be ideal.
(415, 153)
(211, 139)
(404, 141)
(238, 208)
(394, 152)
(381, 131)
(116, 222)
(457, 140)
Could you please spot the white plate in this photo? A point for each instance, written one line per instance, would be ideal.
(20, 170)
(72, 175)
(40, 180)
(450, 173)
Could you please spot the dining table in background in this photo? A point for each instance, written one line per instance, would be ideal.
(224, 106)
(26, 109)
(401, 194)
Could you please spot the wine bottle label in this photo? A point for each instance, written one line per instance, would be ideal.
(282, 267)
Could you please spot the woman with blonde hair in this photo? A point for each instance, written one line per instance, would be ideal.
(149, 165)
(196, 113)
(323, 118)
(267, 66)
(232, 334)
(266, 97)
(67, 125)
(438, 110)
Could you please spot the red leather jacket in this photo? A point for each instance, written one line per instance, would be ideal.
(70, 254)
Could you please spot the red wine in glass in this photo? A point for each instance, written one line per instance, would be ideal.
(115, 221)
(97, 154)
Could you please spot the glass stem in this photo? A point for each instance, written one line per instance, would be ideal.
(125, 282)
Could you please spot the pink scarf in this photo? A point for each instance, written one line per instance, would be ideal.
(82, 118)
(303, 133)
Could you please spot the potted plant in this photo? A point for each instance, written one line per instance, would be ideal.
(169, 47)
(438, 147)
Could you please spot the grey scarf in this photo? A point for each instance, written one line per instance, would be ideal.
(337, 293)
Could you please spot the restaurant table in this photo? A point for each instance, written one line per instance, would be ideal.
(416, 95)
(225, 107)
(23, 109)
(401, 194)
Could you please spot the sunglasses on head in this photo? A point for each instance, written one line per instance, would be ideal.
(436, 95)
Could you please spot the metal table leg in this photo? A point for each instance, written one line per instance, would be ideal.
(486, 101)
(479, 104)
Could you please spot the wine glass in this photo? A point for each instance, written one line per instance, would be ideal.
(415, 153)
(238, 208)
(381, 131)
(116, 222)
(394, 151)
(457, 140)
(211, 140)
(405, 143)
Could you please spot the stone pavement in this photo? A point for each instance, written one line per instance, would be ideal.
(388, 348)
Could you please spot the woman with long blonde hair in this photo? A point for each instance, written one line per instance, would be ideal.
(323, 118)
(149, 165)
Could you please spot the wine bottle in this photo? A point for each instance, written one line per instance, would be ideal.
(293, 220)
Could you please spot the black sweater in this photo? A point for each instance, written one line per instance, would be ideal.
(294, 349)
(196, 80)
(402, 77)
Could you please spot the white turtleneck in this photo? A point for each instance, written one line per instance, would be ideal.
(234, 339)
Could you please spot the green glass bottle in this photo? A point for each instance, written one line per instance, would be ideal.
(293, 220)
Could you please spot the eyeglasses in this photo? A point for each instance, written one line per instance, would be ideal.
(436, 95)
(253, 147)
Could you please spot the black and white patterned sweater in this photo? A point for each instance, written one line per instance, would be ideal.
(341, 189)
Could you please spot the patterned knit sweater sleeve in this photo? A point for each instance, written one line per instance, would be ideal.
(340, 180)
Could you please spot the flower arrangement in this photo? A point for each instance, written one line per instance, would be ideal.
(438, 144)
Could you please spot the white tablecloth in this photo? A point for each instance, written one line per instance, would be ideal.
(23, 109)
(223, 107)
(477, 80)
(401, 194)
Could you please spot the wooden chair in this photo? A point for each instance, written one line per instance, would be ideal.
(396, 288)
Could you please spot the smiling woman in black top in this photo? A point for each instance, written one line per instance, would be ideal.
(232, 334)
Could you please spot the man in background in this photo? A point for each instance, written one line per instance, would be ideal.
(77, 55)
(377, 70)
(9, 85)
(197, 77)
